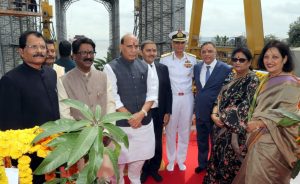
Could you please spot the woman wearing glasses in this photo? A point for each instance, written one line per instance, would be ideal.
(272, 149)
(230, 118)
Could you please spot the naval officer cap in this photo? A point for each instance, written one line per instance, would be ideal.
(178, 36)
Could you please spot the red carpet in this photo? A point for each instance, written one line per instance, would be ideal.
(180, 177)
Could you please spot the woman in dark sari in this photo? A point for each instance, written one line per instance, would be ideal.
(230, 117)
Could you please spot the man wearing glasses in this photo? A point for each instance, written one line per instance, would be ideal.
(180, 65)
(209, 77)
(28, 95)
(84, 82)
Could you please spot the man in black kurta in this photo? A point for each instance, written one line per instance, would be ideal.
(28, 95)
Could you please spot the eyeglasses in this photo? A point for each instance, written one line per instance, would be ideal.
(241, 60)
(36, 47)
(85, 53)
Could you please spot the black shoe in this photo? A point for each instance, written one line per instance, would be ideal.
(144, 177)
(199, 170)
(156, 177)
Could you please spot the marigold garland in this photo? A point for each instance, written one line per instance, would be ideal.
(16, 144)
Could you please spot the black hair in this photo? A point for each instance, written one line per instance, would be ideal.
(64, 48)
(24, 36)
(243, 50)
(144, 43)
(207, 43)
(83, 40)
(284, 50)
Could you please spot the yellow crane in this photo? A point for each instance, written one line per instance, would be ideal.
(254, 28)
(47, 24)
(27, 8)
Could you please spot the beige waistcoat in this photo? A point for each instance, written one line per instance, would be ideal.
(90, 89)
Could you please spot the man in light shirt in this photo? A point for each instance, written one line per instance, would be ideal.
(160, 109)
(180, 65)
(134, 92)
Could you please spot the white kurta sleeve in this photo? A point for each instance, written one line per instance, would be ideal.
(151, 86)
(64, 109)
(113, 79)
(111, 105)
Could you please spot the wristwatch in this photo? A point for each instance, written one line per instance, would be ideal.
(145, 112)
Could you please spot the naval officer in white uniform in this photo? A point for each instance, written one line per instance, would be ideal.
(180, 65)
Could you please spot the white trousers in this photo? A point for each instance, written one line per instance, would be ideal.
(134, 172)
(180, 122)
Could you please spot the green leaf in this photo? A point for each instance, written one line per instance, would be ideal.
(56, 181)
(291, 115)
(83, 176)
(98, 113)
(296, 169)
(117, 133)
(114, 160)
(115, 116)
(117, 148)
(58, 126)
(56, 158)
(99, 146)
(63, 138)
(286, 121)
(83, 144)
(95, 161)
(83, 108)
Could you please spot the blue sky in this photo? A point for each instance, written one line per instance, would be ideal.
(220, 17)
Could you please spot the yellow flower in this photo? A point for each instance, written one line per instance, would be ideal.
(42, 153)
(24, 159)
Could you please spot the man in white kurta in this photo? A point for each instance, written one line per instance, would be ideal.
(134, 92)
(180, 65)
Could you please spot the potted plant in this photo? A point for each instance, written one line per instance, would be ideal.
(83, 139)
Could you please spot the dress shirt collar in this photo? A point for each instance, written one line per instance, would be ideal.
(212, 64)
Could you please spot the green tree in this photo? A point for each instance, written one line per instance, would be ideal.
(269, 37)
(294, 34)
(217, 40)
(99, 63)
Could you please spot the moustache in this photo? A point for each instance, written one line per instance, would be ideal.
(39, 55)
(88, 60)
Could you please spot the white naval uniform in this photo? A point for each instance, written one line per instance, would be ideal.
(181, 74)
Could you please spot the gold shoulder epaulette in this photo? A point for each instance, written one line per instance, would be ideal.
(191, 54)
(166, 54)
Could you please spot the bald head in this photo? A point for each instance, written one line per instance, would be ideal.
(129, 47)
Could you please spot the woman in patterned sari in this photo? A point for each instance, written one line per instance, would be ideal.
(230, 117)
(272, 150)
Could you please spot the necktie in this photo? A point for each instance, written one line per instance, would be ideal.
(207, 73)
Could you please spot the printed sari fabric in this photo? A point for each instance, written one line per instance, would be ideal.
(272, 151)
(229, 142)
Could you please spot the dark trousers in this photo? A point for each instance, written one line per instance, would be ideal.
(153, 164)
(204, 131)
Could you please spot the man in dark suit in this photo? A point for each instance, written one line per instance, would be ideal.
(209, 77)
(28, 95)
(160, 110)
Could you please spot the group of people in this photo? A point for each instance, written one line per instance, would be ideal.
(235, 112)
